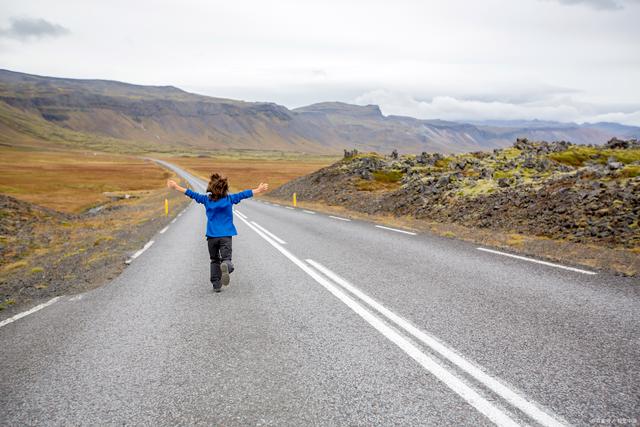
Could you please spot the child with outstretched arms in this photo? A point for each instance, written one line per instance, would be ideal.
(220, 229)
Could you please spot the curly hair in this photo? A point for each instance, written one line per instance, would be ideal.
(218, 186)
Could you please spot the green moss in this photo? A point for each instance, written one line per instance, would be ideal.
(502, 174)
(35, 270)
(510, 153)
(623, 156)
(442, 163)
(387, 176)
(6, 303)
(575, 156)
(482, 186)
(630, 171)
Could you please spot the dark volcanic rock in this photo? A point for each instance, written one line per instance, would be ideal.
(532, 194)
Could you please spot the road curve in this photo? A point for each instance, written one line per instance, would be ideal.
(331, 322)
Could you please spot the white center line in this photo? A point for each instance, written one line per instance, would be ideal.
(28, 312)
(164, 229)
(396, 230)
(339, 218)
(270, 234)
(241, 214)
(309, 212)
(550, 264)
(481, 404)
(540, 415)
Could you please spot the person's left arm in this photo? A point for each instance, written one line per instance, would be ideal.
(238, 197)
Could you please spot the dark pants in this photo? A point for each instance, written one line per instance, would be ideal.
(219, 251)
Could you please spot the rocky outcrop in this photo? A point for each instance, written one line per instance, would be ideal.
(559, 190)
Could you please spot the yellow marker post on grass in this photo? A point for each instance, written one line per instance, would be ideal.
(295, 202)
(166, 207)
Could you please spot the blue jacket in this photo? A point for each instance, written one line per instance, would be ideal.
(219, 212)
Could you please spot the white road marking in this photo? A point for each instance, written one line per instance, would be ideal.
(164, 229)
(550, 264)
(268, 233)
(309, 212)
(397, 230)
(540, 415)
(28, 312)
(241, 214)
(339, 218)
(484, 406)
(174, 220)
(138, 253)
(289, 207)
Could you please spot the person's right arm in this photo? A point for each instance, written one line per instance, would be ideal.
(200, 198)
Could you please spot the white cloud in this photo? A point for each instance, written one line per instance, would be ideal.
(32, 28)
(463, 56)
(557, 108)
(599, 4)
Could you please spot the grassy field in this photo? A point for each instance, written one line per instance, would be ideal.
(74, 181)
(45, 253)
(247, 170)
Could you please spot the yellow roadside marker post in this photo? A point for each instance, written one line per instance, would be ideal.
(295, 202)
(166, 207)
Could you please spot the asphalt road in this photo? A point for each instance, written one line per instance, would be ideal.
(328, 322)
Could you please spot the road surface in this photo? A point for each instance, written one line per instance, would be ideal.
(328, 322)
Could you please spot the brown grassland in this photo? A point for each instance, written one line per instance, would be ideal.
(44, 253)
(71, 182)
(244, 173)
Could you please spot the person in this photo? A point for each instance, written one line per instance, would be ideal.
(220, 229)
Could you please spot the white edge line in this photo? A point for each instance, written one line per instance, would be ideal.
(534, 411)
(173, 220)
(164, 229)
(397, 230)
(339, 218)
(309, 212)
(289, 207)
(454, 383)
(270, 234)
(138, 253)
(28, 312)
(550, 264)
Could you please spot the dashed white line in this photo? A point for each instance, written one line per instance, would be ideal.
(28, 312)
(396, 230)
(241, 214)
(164, 229)
(339, 218)
(289, 207)
(138, 253)
(514, 398)
(174, 220)
(550, 264)
(270, 234)
(309, 212)
(483, 405)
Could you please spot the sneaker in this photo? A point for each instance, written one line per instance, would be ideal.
(216, 290)
(224, 267)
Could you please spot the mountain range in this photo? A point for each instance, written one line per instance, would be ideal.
(131, 116)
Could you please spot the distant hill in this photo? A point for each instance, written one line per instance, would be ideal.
(101, 113)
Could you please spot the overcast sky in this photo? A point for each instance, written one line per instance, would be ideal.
(568, 60)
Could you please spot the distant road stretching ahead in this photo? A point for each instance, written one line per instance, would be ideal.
(328, 321)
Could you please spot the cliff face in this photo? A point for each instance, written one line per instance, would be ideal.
(558, 190)
(165, 116)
